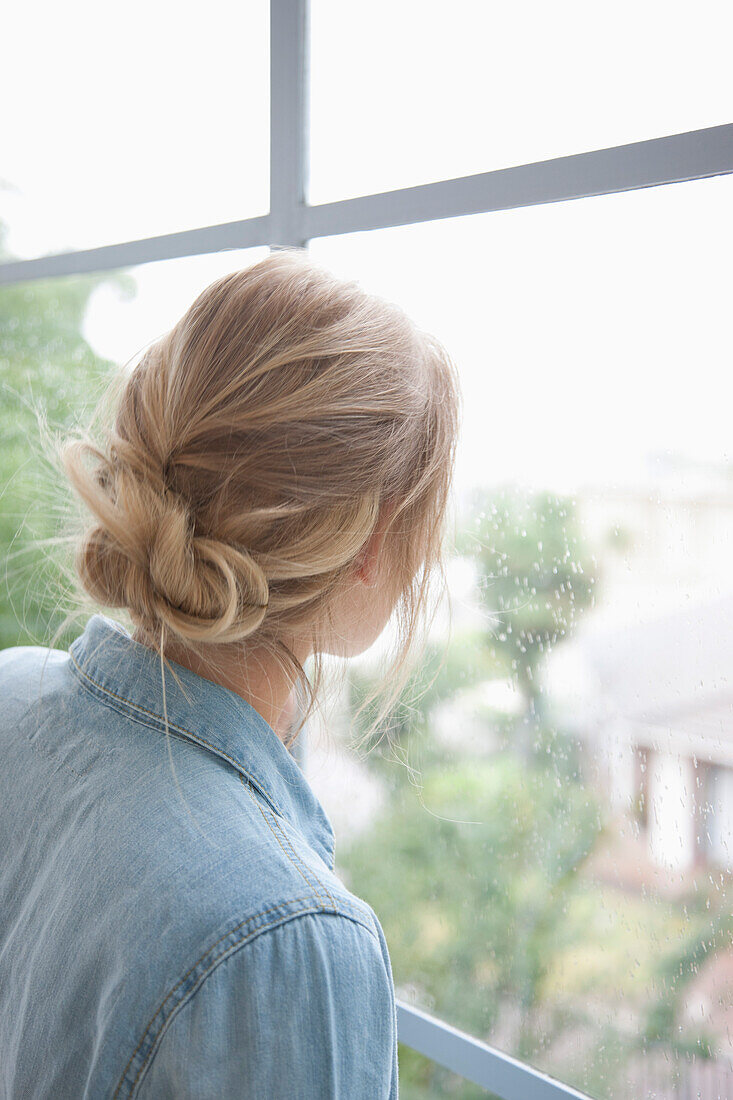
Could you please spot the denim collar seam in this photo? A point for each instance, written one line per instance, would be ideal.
(177, 730)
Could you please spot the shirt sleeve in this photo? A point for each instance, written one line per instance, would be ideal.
(305, 1011)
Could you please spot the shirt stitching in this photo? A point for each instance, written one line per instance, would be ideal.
(181, 729)
(279, 825)
(188, 973)
(290, 855)
(282, 846)
(172, 725)
(246, 937)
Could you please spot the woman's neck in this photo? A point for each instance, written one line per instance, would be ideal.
(262, 682)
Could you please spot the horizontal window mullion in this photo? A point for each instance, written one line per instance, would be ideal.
(681, 157)
(170, 246)
(476, 1061)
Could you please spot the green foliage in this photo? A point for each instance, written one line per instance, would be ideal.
(707, 930)
(47, 371)
(472, 879)
(536, 576)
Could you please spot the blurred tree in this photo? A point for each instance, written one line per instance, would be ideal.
(47, 365)
(472, 881)
(536, 575)
(442, 672)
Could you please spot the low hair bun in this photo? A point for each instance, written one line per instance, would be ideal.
(144, 554)
(205, 589)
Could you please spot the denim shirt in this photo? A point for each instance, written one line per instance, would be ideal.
(170, 921)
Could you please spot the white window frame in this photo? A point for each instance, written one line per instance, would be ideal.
(292, 222)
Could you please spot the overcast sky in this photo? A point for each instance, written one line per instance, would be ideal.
(590, 334)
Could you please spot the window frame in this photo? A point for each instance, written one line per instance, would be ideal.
(292, 222)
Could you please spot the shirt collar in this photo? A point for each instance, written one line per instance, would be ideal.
(109, 660)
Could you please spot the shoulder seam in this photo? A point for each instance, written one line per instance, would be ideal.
(290, 854)
(154, 1033)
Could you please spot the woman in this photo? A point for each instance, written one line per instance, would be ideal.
(272, 488)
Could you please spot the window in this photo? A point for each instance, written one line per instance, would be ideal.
(517, 898)
(553, 916)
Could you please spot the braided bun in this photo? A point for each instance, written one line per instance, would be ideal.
(145, 555)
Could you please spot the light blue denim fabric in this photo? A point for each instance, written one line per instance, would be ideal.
(172, 931)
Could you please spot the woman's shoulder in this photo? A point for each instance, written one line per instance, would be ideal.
(279, 937)
(222, 864)
(303, 980)
(302, 1005)
(297, 862)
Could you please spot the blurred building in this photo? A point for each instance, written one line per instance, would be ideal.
(647, 676)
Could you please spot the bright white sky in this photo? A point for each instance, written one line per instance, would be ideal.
(589, 334)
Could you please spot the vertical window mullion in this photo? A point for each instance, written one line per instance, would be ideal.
(288, 121)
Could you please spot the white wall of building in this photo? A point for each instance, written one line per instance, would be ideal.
(720, 816)
(671, 818)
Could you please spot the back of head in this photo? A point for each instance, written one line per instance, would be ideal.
(250, 455)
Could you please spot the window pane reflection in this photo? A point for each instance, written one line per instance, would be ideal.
(550, 849)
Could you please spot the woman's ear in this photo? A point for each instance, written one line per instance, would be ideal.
(368, 567)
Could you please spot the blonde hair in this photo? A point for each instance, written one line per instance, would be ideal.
(253, 450)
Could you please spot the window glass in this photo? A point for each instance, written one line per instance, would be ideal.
(60, 339)
(548, 845)
(415, 92)
(126, 123)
